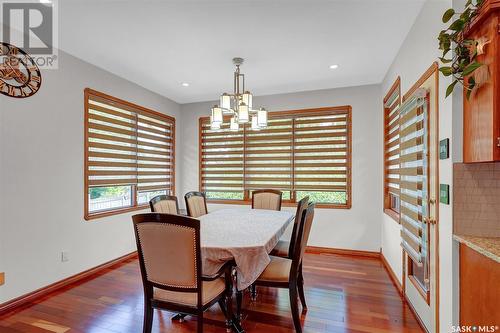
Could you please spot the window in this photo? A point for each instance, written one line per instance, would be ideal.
(414, 189)
(304, 152)
(129, 155)
(392, 102)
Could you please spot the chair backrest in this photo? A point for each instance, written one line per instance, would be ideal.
(301, 207)
(196, 204)
(169, 251)
(266, 199)
(166, 204)
(302, 237)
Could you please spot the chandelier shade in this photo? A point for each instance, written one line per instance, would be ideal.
(239, 105)
(225, 101)
(233, 125)
(262, 117)
(214, 125)
(243, 114)
(255, 124)
(217, 116)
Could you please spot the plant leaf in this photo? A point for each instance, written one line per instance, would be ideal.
(458, 25)
(450, 88)
(471, 68)
(446, 70)
(448, 15)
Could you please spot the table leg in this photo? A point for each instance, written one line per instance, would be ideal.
(239, 296)
(239, 301)
(253, 292)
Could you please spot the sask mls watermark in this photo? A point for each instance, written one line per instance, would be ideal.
(32, 25)
(475, 329)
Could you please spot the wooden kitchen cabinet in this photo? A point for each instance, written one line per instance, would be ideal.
(479, 289)
(482, 110)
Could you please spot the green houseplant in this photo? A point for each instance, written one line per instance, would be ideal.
(462, 62)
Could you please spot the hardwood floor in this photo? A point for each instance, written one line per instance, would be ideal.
(343, 293)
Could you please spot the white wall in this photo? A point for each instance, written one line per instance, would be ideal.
(418, 52)
(41, 178)
(356, 228)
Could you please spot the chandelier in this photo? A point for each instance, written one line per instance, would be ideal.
(238, 105)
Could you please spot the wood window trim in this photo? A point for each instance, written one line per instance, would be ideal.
(291, 203)
(130, 107)
(396, 86)
(426, 294)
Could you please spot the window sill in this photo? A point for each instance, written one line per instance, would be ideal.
(392, 214)
(98, 215)
(283, 204)
(424, 293)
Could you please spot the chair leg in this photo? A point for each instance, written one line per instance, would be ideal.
(148, 317)
(300, 287)
(200, 322)
(295, 307)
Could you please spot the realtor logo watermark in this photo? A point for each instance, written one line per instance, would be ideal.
(32, 25)
(475, 329)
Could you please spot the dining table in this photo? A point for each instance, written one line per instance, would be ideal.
(243, 236)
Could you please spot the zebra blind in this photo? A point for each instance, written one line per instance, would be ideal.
(392, 103)
(300, 153)
(221, 160)
(414, 177)
(126, 146)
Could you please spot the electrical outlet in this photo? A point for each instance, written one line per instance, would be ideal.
(64, 256)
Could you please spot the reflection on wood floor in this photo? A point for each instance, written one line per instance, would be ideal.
(343, 293)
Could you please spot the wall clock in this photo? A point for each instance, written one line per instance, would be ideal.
(20, 77)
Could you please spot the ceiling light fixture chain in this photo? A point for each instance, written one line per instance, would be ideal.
(239, 105)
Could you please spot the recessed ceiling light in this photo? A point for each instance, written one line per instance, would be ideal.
(45, 1)
(334, 66)
(185, 84)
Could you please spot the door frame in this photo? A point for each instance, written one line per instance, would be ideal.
(433, 228)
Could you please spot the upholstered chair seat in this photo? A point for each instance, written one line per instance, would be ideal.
(278, 270)
(210, 290)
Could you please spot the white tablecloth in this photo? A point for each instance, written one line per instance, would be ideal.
(243, 234)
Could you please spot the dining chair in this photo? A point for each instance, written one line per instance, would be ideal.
(171, 268)
(266, 199)
(166, 204)
(284, 272)
(196, 204)
(285, 248)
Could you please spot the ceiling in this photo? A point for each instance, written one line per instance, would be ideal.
(288, 45)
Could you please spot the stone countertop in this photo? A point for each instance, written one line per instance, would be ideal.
(487, 246)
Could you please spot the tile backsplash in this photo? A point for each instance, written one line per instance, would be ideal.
(476, 199)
